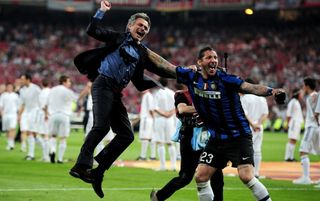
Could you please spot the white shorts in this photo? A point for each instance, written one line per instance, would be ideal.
(9, 121)
(294, 130)
(42, 123)
(59, 125)
(28, 121)
(257, 138)
(146, 128)
(310, 142)
(164, 129)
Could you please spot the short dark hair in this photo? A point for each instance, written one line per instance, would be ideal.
(203, 50)
(295, 93)
(310, 82)
(63, 79)
(27, 76)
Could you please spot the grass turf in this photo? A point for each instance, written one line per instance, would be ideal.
(22, 180)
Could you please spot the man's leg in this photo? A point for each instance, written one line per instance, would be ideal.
(259, 191)
(202, 176)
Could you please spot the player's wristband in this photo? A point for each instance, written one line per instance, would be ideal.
(269, 91)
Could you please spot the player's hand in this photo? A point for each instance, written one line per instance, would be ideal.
(105, 6)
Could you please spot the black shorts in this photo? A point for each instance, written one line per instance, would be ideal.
(238, 150)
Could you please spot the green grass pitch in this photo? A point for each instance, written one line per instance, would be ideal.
(22, 180)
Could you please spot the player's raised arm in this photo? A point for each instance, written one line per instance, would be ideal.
(161, 63)
(260, 90)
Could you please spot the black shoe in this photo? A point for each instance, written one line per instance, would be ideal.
(97, 184)
(81, 173)
(152, 158)
(52, 157)
(60, 162)
(140, 159)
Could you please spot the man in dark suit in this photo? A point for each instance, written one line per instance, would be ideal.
(112, 67)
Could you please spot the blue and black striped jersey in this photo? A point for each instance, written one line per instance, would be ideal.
(217, 102)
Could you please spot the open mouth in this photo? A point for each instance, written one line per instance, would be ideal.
(141, 34)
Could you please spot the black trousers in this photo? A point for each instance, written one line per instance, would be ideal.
(108, 111)
(189, 163)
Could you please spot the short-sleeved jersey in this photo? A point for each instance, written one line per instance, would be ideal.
(254, 106)
(147, 105)
(294, 110)
(9, 103)
(217, 102)
(311, 102)
(29, 97)
(60, 100)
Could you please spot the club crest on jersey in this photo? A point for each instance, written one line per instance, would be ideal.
(207, 94)
(213, 86)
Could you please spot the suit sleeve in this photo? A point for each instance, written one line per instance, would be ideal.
(98, 32)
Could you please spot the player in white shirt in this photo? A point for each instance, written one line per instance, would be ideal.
(42, 121)
(294, 121)
(256, 111)
(59, 107)
(310, 140)
(317, 115)
(29, 95)
(9, 106)
(146, 126)
(165, 124)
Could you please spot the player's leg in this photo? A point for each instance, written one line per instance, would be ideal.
(305, 148)
(257, 156)
(202, 177)
(170, 130)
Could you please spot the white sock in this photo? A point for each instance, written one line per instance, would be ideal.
(291, 147)
(39, 140)
(257, 161)
(305, 162)
(258, 189)
(205, 192)
(162, 156)
(62, 149)
(53, 145)
(31, 143)
(23, 146)
(100, 147)
(144, 146)
(173, 156)
(287, 154)
(11, 142)
(153, 149)
(178, 150)
(45, 150)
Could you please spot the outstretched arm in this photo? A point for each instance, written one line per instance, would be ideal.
(259, 90)
(161, 63)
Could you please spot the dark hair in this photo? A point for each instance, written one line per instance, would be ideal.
(27, 76)
(295, 93)
(45, 82)
(310, 82)
(203, 50)
(63, 79)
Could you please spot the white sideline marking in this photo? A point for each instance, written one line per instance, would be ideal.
(140, 189)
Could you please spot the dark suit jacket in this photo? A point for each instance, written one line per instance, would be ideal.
(89, 61)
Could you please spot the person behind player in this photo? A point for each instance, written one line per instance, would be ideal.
(216, 99)
(9, 106)
(317, 116)
(146, 126)
(112, 67)
(256, 111)
(42, 121)
(294, 118)
(29, 95)
(165, 124)
(310, 141)
(59, 110)
(186, 113)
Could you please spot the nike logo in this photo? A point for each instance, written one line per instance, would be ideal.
(245, 158)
